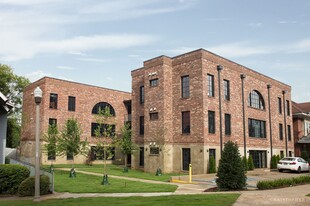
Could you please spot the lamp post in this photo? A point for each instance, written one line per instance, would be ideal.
(37, 99)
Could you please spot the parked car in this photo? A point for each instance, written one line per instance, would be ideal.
(297, 164)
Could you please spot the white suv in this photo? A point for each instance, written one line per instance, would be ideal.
(294, 164)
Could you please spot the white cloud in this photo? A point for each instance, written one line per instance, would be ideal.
(65, 68)
(93, 59)
(36, 75)
(256, 25)
(300, 46)
(287, 22)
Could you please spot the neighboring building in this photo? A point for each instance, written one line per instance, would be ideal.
(63, 100)
(181, 116)
(5, 107)
(301, 125)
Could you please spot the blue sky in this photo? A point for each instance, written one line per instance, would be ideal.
(99, 42)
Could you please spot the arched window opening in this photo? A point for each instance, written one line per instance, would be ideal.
(103, 106)
(256, 100)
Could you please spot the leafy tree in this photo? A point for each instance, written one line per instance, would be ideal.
(13, 133)
(69, 142)
(250, 163)
(231, 172)
(105, 137)
(124, 143)
(211, 168)
(50, 140)
(305, 155)
(274, 162)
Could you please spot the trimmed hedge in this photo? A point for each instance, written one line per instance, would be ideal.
(11, 176)
(27, 187)
(280, 183)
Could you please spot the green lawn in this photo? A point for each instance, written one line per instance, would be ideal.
(176, 200)
(92, 184)
(118, 171)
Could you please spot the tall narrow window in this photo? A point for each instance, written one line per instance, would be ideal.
(141, 124)
(227, 124)
(281, 131)
(153, 82)
(186, 122)
(210, 85)
(211, 120)
(280, 105)
(226, 90)
(69, 155)
(289, 136)
(141, 94)
(71, 103)
(257, 128)
(288, 108)
(53, 100)
(185, 86)
(256, 100)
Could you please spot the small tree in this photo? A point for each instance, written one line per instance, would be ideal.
(250, 163)
(305, 155)
(50, 140)
(125, 144)
(231, 172)
(273, 162)
(245, 163)
(69, 142)
(211, 168)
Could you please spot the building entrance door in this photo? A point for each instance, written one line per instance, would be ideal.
(186, 158)
(259, 158)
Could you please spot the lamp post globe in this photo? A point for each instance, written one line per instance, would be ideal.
(38, 95)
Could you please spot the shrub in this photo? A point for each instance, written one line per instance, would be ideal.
(278, 158)
(27, 187)
(280, 183)
(305, 155)
(7, 160)
(250, 163)
(274, 162)
(11, 176)
(245, 162)
(231, 172)
(211, 168)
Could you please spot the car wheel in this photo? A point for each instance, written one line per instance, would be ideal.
(299, 170)
(280, 170)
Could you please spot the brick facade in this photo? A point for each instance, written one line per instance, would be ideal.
(166, 100)
(86, 98)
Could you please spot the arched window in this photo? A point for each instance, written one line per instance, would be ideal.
(103, 106)
(256, 100)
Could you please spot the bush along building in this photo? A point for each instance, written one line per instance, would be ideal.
(63, 100)
(185, 108)
(301, 121)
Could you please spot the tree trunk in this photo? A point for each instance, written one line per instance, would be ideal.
(105, 162)
(125, 158)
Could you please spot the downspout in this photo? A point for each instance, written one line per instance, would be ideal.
(242, 76)
(285, 132)
(270, 127)
(219, 69)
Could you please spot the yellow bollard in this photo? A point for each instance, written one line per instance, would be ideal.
(190, 173)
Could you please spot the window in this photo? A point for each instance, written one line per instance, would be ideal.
(97, 153)
(69, 155)
(257, 128)
(103, 107)
(141, 94)
(154, 150)
(186, 122)
(52, 121)
(307, 128)
(211, 119)
(185, 86)
(227, 124)
(51, 154)
(210, 85)
(53, 101)
(288, 108)
(153, 82)
(281, 154)
(212, 153)
(281, 131)
(289, 136)
(154, 116)
(280, 105)
(102, 130)
(226, 90)
(141, 132)
(290, 154)
(256, 100)
(71, 103)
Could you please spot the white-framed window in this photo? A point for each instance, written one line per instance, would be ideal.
(307, 128)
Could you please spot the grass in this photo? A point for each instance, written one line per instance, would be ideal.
(176, 200)
(92, 184)
(118, 171)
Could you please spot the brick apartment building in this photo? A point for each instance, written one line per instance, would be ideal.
(301, 121)
(63, 100)
(185, 108)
